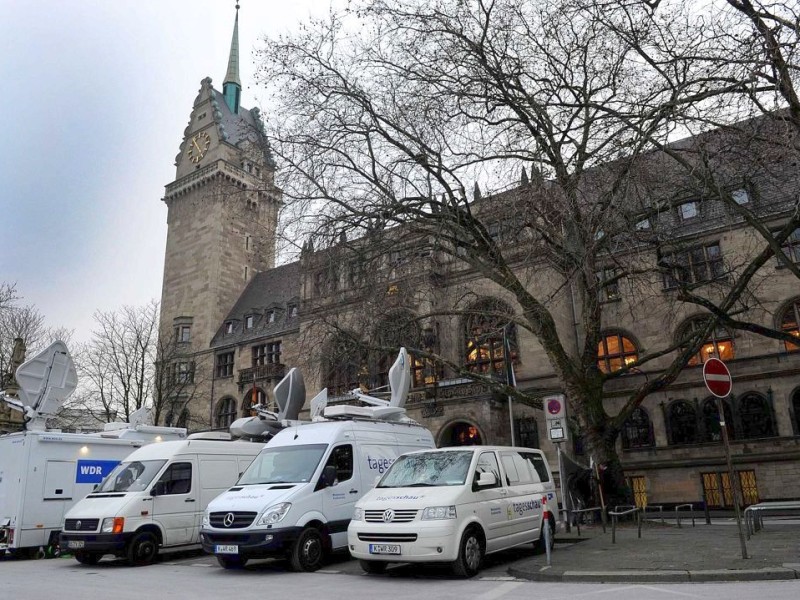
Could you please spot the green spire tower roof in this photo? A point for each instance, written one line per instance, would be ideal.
(232, 87)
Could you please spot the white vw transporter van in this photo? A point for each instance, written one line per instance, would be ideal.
(297, 497)
(454, 505)
(154, 499)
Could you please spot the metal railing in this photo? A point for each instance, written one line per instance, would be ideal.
(678, 512)
(754, 514)
(621, 511)
(582, 511)
(658, 507)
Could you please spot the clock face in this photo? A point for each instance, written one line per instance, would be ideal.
(198, 146)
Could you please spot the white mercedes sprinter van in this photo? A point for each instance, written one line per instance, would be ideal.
(297, 497)
(154, 499)
(454, 505)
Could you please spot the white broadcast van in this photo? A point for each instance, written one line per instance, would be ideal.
(454, 505)
(297, 497)
(44, 472)
(155, 499)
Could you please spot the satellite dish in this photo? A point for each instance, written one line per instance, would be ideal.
(141, 416)
(400, 380)
(318, 404)
(290, 394)
(47, 379)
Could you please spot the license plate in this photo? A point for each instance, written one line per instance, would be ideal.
(384, 548)
(219, 549)
(75, 544)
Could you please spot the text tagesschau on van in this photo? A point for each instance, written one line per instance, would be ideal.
(454, 505)
(297, 497)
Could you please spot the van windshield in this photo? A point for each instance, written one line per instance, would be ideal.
(131, 476)
(288, 464)
(428, 469)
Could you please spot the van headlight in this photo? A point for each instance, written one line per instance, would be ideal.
(112, 525)
(274, 513)
(439, 512)
(358, 514)
(206, 519)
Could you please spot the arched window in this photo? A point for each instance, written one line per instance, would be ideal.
(712, 432)
(682, 421)
(483, 337)
(796, 409)
(398, 330)
(252, 397)
(637, 432)
(718, 345)
(345, 363)
(755, 415)
(226, 413)
(614, 352)
(790, 323)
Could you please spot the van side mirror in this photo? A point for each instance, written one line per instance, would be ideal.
(487, 479)
(328, 476)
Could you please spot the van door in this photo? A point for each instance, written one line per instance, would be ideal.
(339, 499)
(525, 496)
(175, 504)
(491, 504)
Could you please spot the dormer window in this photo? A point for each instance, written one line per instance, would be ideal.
(643, 225)
(292, 311)
(688, 210)
(271, 316)
(248, 321)
(740, 196)
(229, 326)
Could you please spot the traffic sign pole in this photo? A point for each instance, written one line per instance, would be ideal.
(719, 383)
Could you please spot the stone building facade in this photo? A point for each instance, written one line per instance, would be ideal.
(242, 322)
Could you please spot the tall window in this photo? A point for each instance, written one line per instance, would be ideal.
(184, 372)
(608, 284)
(791, 324)
(527, 432)
(682, 422)
(249, 320)
(183, 334)
(712, 430)
(267, 354)
(224, 366)
(695, 265)
(791, 247)
(226, 413)
(614, 352)
(345, 365)
(483, 337)
(637, 432)
(718, 345)
(398, 330)
(755, 416)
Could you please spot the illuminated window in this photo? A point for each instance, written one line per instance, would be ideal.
(791, 324)
(226, 413)
(615, 351)
(396, 331)
(720, 344)
(483, 343)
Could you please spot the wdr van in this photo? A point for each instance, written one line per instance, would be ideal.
(43, 473)
(297, 497)
(154, 499)
(454, 505)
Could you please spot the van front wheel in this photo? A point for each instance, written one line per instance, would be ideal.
(307, 551)
(142, 549)
(470, 554)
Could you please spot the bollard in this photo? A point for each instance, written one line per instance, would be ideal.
(547, 535)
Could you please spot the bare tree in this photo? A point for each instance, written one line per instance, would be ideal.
(391, 111)
(116, 367)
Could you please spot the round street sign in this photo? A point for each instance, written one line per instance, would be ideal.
(717, 377)
(554, 406)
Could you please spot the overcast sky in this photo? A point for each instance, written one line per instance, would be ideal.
(96, 95)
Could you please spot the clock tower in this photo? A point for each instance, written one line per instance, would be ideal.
(222, 213)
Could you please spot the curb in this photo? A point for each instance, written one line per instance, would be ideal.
(642, 576)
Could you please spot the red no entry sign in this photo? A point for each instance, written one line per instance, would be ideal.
(717, 377)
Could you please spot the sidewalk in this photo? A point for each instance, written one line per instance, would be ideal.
(666, 553)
